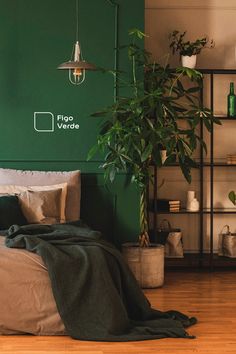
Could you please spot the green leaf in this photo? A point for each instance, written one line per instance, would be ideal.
(99, 114)
(232, 197)
(150, 123)
(181, 149)
(190, 162)
(187, 148)
(193, 89)
(112, 174)
(204, 146)
(147, 152)
(202, 142)
(143, 143)
(180, 86)
(189, 98)
(136, 32)
(216, 120)
(92, 152)
(186, 171)
(207, 124)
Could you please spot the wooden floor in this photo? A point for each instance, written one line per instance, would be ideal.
(210, 297)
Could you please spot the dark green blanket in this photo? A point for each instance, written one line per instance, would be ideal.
(96, 294)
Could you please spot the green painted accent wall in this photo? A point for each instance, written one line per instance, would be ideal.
(35, 37)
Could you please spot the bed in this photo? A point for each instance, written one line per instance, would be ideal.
(72, 281)
(29, 305)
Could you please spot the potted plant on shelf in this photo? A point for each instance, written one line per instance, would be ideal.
(188, 50)
(139, 125)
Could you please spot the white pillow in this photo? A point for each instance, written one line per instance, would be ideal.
(14, 190)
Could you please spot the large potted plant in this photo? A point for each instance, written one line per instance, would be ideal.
(138, 126)
(188, 50)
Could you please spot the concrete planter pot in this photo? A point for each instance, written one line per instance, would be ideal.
(147, 264)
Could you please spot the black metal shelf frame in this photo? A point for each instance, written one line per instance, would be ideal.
(201, 165)
(205, 164)
(212, 73)
(204, 211)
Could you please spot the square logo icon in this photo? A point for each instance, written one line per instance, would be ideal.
(44, 122)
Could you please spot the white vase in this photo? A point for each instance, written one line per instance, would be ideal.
(163, 156)
(194, 205)
(190, 197)
(189, 61)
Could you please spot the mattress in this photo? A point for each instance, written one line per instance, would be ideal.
(27, 302)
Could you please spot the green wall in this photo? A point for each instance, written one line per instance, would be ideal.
(35, 37)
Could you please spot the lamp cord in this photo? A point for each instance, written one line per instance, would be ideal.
(77, 29)
(77, 20)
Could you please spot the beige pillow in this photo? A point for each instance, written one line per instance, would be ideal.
(43, 207)
(40, 178)
(13, 189)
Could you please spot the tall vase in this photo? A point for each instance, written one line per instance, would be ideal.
(190, 197)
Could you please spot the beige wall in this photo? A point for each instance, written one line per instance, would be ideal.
(213, 18)
(216, 19)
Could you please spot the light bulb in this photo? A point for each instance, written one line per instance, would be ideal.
(77, 76)
(78, 72)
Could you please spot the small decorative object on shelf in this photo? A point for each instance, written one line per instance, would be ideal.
(190, 197)
(188, 50)
(227, 243)
(171, 238)
(192, 203)
(163, 153)
(168, 205)
(227, 240)
(231, 102)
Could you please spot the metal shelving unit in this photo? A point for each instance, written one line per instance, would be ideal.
(201, 259)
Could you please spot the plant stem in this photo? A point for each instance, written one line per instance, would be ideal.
(134, 74)
(144, 237)
(134, 77)
(174, 82)
(143, 211)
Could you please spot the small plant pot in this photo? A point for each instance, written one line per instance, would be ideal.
(147, 264)
(189, 61)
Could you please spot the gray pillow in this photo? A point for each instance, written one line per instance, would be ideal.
(40, 178)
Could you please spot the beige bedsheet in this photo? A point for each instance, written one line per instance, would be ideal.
(26, 300)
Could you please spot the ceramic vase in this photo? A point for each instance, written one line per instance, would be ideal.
(189, 61)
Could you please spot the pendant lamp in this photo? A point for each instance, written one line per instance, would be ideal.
(77, 66)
